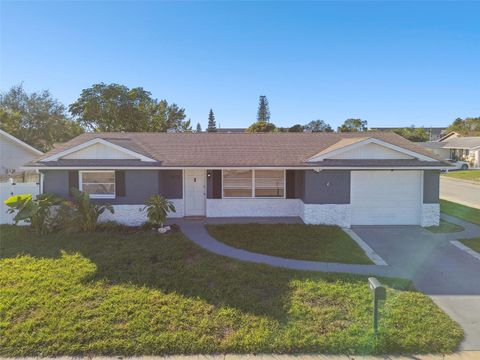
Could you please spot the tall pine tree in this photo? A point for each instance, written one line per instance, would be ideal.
(263, 113)
(212, 125)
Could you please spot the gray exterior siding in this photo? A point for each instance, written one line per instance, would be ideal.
(56, 182)
(431, 186)
(311, 187)
(210, 184)
(139, 185)
(326, 187)
(170, 183)
(299, 184)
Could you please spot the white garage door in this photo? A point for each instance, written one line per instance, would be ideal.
(386, 197)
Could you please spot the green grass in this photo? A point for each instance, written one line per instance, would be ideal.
(460, 211)
(472, 175)
(473, 243)
(293, 241)
(145, 293)
(445, 227)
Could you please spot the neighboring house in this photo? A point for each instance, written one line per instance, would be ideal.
(14, 154)
(434, 133)
(325, 178)
(456, 147)
(231, 130)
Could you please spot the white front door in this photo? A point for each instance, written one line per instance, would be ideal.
(195, 190)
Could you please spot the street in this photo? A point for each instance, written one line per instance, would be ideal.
(461, 192)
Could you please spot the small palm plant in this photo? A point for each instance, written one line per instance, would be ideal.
(157, 210)
(87, 213)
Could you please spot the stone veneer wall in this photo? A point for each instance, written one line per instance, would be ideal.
(430, 215)
(328, 214)
(253, 207)
(133, 215)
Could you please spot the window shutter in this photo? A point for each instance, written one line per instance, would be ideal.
(72, 181)
(217, 184)
(120, 183)
(290, 186)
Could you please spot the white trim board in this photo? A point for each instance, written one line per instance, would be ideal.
(20, 142)
(358, 144)
(92, 142)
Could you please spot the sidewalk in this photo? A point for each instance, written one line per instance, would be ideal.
(462, 355)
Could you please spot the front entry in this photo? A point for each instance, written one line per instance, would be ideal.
(195, 190)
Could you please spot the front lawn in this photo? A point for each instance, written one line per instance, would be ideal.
(445, 227)
(293, 241)
(460, 211)
(472, 175)
(144, 293)
(473, 243)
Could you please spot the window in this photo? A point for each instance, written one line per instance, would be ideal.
(269, 183)
(99, 184)
(253, 183)
(237, 183)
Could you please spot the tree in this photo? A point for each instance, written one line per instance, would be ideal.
(261, 126)
(199, 128)
(413, 134)
(353, 125)
(115, 107)
(465, 126)
(212, 125)
(318, 126)
(36, 118)
(263, 113)
(296, 128)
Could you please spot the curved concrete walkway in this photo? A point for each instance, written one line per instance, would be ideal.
(196, 232)
(437, 268)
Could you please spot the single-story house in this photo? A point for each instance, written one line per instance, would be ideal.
(14, 153)
(456, 147)
(325, 178)
(434, 133)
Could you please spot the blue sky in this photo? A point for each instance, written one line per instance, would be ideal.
(393, 64)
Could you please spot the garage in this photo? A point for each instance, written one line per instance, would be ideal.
(386, 197)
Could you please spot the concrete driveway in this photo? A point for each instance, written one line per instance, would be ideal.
(462, 192)
(448, 275)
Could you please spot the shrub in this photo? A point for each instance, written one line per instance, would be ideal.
(38, 212)
(86, 213)
(157, 209)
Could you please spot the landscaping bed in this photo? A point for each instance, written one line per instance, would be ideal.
(144, 293)
(293, 241)
(460, 211)
(473, 243)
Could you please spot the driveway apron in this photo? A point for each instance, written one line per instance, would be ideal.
(450, 276)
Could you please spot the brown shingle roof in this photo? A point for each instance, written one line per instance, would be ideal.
(229, 150)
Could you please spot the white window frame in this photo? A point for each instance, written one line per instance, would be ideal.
(253, 187)
(98, 196)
